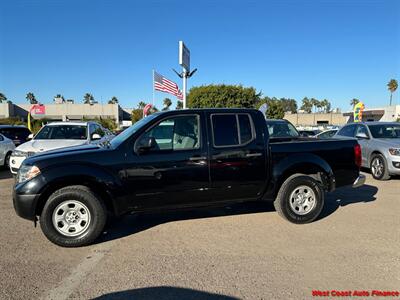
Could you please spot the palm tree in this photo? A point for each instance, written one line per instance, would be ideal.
(354, 101)
(141, 105)
(315, 103)
(392, 87)
(179, 104)
(167, 103)
(3, 97)
(59, 96)
(88, 98)
(113, 100)
(327, 105)
(306, 105)
(31, 98)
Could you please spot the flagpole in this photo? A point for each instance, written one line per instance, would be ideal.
(153, 89)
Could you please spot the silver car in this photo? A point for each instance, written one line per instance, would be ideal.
(380, 146)
(6, 148)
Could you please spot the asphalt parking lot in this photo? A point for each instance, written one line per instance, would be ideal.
(243, 251)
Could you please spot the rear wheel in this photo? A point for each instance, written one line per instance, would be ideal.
(300, 199)
(73, 216)
(379, 169)
(7, 160)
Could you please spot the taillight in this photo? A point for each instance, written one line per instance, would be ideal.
(357, 155)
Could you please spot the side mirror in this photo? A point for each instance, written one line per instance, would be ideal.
(362, 136)
(96, 136)
(146, 144)
(29, 137)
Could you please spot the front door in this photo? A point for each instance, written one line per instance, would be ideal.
(174, 172)
(364, 143)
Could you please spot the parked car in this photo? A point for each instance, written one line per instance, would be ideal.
(6, 148)
(327, 134)
(380, 146)
(180, 159)
(59, 135)
(18, 134)
(279, 128)
(309, 133)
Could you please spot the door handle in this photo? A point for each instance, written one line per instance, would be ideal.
(195, 158)
(253, 154)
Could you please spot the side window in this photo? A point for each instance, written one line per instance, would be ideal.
(231, 129)
(361, 129)
(99, 130)
(92, 129)
(225, 130)
(347, 131)
(177, 133)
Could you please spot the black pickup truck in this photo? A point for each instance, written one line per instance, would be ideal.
(180, 159)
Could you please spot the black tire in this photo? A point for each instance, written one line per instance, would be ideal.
(384, 173)
(7, 161)
(82, 195)
(291, 185)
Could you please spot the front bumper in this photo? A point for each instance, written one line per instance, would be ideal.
(25, 205)
(359, 181)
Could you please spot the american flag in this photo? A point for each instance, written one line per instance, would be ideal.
(165, 85)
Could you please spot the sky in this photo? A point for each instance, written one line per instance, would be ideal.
(333, 49)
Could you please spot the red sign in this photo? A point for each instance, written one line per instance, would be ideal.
(38, 109)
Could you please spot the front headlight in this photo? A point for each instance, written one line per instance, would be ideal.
(27, 172)
(19, 153)
(394, 151)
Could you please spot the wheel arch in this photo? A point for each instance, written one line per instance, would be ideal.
(97, 188)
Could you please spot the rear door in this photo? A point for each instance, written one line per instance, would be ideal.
(364, 143)
(237, 156)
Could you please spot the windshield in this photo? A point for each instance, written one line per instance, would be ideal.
(116, 141)
(281, 129)
(62, 132)
(385, 131)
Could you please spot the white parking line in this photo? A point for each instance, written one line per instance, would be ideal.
(69, 284)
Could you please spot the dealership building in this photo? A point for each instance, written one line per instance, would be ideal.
(387, 113)
(67, 111)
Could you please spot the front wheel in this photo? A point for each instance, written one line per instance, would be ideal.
(379, 169)
(300, 199)
(73, 216)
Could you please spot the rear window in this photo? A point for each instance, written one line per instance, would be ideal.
(15, 133)
(231, 129)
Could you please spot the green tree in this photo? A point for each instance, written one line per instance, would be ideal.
(3, 98)
(88, 98)
(179, 104)
(392, 87)
(275, 110)
(31, 98)
(136, 115)
(113, 100)
(289, 105)
(166, 103)
(315, 103)
(222, 95)
(306, 105)
(354, 102)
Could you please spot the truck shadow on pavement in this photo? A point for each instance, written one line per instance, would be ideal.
(134, 223)
(347, 195)
(164, 293)
(4, 173)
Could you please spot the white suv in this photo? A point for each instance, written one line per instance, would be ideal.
(59, 135)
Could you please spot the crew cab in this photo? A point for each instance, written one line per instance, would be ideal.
(181, 159)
